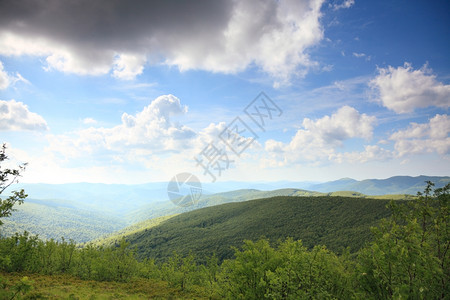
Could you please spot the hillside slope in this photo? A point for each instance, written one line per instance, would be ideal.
(113, 238)
(336, 222)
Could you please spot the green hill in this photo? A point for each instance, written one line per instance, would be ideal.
(336, 222)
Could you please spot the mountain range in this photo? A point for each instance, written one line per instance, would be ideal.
(55, 210)
(393, 185)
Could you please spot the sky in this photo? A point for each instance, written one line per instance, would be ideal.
(262, 91)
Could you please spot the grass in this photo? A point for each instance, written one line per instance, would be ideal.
(70, 287)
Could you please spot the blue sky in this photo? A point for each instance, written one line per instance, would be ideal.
(139, 91)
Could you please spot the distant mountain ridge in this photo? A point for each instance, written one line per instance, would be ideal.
(393, 185)
(164, 208)
(115, 199)
(132, 196)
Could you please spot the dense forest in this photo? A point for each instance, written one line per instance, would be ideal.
(335, 222)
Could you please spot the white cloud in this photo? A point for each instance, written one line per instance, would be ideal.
(359, 54)
(403, 89)
(431, 137)
(15, 44)
(89, 121)
(58, 55)
(362, 55)
(217, 36)
(15, 116)
(344, 4)
(274, 146)
(148, 140)
(317, 140)
(370, 153)
(72, 61)
(6, 80)
(346, 123)
(274, 36)
(150, 129)
(127, 66)
(209, 134)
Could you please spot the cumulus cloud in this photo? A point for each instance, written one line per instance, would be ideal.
(404, 89)
(121, 37)
(318, 139)
(128, 66)
(151, 129)
(15, 116)
(422, 138)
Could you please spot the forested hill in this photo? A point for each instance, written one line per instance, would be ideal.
(336, 222)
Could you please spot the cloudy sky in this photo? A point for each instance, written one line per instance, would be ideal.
(138, 91)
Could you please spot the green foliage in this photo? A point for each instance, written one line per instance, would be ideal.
(18, 252)
(7, 178)
(23, 252)
(246, 276)
(287, 272)
(106, 264)
(410, 254)
(181, 272)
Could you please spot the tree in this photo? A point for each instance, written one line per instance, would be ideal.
(409, 257)
(7, 178)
